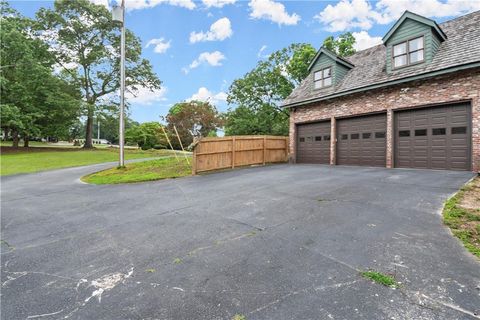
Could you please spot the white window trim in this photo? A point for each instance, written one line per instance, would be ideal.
(321, 80)
(408, 52)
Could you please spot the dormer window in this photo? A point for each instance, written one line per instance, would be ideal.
(408, 52)
(323, 78)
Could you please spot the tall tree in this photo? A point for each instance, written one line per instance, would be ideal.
(342, 45)
(108, 121)
(85, 39)
(245, 121)
(193, 118)
(34, 100)
(258, 95)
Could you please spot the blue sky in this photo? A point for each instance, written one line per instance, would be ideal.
(197, 48)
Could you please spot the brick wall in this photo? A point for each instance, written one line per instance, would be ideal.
(460, 86)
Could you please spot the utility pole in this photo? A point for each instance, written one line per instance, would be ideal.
(118, 14)
(98, 128)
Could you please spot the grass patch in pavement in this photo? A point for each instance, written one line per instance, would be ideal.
(381, 278)
(462, 214)
(39, 159)
(142, 171)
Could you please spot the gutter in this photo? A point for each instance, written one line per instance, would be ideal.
(386, 84)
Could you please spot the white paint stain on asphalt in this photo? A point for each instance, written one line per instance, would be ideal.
(177, 288)
(44, 315)
(106, 283)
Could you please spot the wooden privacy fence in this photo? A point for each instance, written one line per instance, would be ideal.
(235, 151)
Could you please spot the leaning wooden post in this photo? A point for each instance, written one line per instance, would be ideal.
(264, 149)
(194, 159)
(168, 140)
(181, 144)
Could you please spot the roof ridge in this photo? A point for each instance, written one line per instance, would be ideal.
(442, 23)
(359, 51)
(460, 17)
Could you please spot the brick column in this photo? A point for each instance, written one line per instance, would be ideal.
(292, 135)
(333, 141)
(389, 138)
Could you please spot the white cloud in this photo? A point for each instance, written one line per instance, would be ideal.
(217, 3)
(145, 4)
(260, 52)
(100, 2)
(203, 94)
(212, 58)
(219, 30)
(57, 68)
(391, 10)
(353, 14)
(160, 45)
(271, 10)
(144, 96)
(347, 15)
(363, 40)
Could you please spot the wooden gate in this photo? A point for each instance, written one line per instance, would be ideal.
(235, 151)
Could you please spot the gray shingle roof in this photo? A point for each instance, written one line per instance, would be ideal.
(461, 47)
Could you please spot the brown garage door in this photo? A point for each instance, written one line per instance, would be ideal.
(362, 140)
(434, 138)
(313, 142)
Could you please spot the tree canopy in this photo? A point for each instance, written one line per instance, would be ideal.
(258, 95)
(147, 135)
(343, 45)
(84, 38)
(192, 119)
(34, 100)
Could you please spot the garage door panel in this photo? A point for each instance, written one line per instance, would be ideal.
(459, 141)
(420, 164)
(313, 143)
(440, 122)
(459, 119)
(440, 137)
(439, 143)
(459, 153)
(421, 143)
(361, 140)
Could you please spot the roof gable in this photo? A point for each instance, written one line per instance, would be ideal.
(410, 15)
(459, 52)
(332, 56)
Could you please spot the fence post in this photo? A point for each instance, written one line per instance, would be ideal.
(264, 149)
(233, 152)
(287, 142)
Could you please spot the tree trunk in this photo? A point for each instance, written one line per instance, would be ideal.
(5, 134)
(26, 140)
(15, 138)
(89, 132)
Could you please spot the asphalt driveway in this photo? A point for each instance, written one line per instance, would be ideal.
(279, 242)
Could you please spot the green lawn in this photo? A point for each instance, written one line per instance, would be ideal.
(462, 214)
(142, 171)
(25, 161)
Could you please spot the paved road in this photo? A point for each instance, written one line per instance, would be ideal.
(280, 242)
